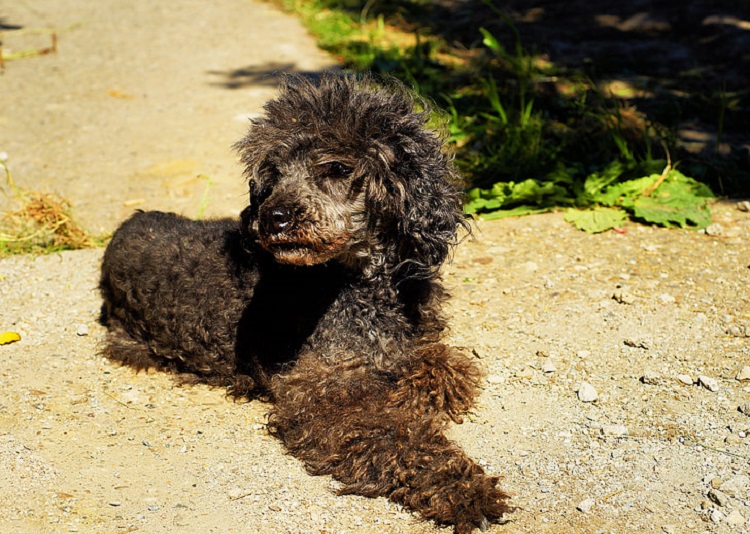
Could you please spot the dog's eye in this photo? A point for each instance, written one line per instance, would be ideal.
(337, 170)
(270, 170)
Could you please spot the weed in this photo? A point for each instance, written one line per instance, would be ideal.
(528, 135)
(42, 223)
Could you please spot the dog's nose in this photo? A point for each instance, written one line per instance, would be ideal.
(277, 219)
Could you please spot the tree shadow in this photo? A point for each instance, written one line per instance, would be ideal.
(267, 75)
(682, 65)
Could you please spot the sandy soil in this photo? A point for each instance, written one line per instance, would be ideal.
(656, 321)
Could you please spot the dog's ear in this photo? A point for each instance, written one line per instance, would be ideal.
(418, 194)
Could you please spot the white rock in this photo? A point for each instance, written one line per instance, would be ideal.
(496, 379)
(587, 392)
(735, 518)
(686, 379)
(714, 229)
(709, 383)
(623, 297)
(585, 505)
(650, 377)
(717, 516)
(615, 430)
(82, 330)
(744, 374)
(549, 367)
(719, 497)
(736, 486)
(666, 298)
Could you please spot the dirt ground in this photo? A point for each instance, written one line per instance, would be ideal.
(140, 99)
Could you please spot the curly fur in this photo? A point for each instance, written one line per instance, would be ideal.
(324, 297)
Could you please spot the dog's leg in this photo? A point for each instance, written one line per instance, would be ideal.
(385, 438)
(124, 348)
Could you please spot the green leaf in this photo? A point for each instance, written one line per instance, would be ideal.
(596, 220)
(677, 201)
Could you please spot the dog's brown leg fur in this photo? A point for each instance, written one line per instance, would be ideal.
(385, 437)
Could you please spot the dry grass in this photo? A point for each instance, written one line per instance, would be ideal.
(42, 223)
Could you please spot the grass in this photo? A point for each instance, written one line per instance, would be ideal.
(528, 135)
(41, 223)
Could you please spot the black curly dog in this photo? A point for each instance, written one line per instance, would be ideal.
(324, 297)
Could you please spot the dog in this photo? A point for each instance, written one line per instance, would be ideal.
(323, 298)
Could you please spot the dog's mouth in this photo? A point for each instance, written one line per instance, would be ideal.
(296, 250)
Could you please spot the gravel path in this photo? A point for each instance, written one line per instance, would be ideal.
(617, 398)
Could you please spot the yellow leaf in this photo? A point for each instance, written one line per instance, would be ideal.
(9, 337)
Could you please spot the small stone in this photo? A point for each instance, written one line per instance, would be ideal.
(735, 518)
(526, 373)
(548, 368)
(744, 374)
(583, 353)
(495, 379)
(669, 529)
(709, 383)
(235, 493)
(686, 379)
(615, 430)
(623, 297)
(718, 497)
(743, 205)
(115, 503)
(736, 486)
(715, 482)
(587, 392)
(744, 408)
(82, 330)
(714, 229)
(666, 298)
(585, 505)
(650, 377)
(717, 516)
(732, 439)
(736, 330)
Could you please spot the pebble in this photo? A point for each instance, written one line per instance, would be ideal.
(82, 330)
(115, 503)
(583, 353)
(666, 298)
(709, 383)
(718, 497)
(717, 516)
(744, 374)
(735, 518)
(744, 408)
(615, 430)
(686, 379)
(495, 379)
(549, 367)
(736, 486)
(743, 205)
(732, 439)
(735, 330)
(623, 297)
(526, 373)
(585, 505)
(587, 392)
(650, 377)
(669, 529)
(714, 229)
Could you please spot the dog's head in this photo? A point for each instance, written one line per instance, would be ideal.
(344, 169)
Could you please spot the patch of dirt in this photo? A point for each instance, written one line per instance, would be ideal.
(125, 115)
